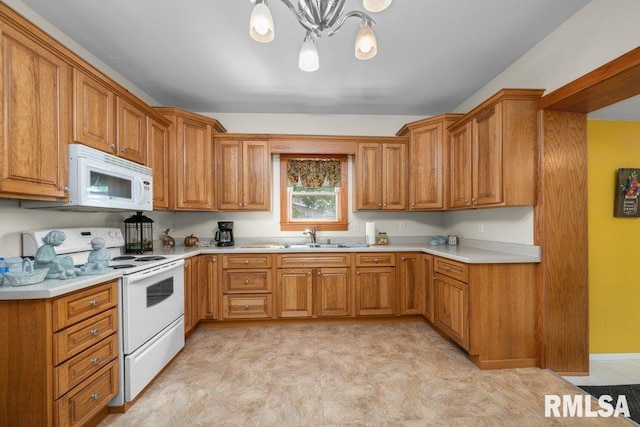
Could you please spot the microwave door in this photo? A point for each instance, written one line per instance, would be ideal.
(106, 187)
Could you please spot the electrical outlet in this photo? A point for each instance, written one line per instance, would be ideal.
(401, 226)
(480, 228)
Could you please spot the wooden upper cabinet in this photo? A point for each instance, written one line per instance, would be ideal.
(493, 151)
(35, 119)
(131, 141)
(94, 113)
(194, 165)
(381, 175)
(158, 139)
(427, 161)
(243, 174)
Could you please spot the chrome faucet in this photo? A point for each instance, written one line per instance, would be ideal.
(311, 233)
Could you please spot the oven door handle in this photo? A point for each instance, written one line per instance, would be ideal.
(136, 277)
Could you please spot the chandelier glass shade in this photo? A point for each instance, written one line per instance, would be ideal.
(316, 17)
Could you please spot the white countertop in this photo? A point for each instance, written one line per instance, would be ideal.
(473, 252)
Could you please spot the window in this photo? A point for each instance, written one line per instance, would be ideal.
(313, 192)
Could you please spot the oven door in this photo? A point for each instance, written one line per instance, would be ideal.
(151, 300)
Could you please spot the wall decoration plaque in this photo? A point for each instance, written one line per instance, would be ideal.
(627, 192)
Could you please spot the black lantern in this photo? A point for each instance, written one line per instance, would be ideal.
(138, 234)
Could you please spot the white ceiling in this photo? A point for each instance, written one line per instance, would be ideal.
(198, 55)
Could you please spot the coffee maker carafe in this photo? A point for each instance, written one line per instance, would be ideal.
(224, 235)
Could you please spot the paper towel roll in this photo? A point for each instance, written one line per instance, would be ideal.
(370, 233)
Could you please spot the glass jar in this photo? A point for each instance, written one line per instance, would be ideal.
(382, 239)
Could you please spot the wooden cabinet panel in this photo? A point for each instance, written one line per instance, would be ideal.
(375, 259)
(410, 283)
(428, 287)
(243, 174)
(314, 260)
(487, 150)
(394, 176)
(211, 270)
(426, 166)
(194, 165)
(295, 293)
(381, 176)
(79, 337)
(84, 402)
(158, 141)
(368, 187)
(460, 166)
(131, 140)
(375, 291)
(246, 281)
(246, 306)
(189, 297)
(35, 120)
(454, 269)
(94, 113)
(333, 292)
(246, 261)
(452, 308)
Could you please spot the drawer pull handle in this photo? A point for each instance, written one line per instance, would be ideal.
(403, 258)
(357, 273)
(95, 396)
(447, 268)
(375, 260)
(246, 282)
(95, 331)
(94, 302)
(95, 360)
(246, 306)
(319, 273)
(246, 261)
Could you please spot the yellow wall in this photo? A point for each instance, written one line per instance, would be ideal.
(614, 243)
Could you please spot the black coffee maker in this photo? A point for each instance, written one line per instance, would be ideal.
(224, 235)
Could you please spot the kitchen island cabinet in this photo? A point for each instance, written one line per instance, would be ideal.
(428, 166)
(243, 174)
(59, 363)
(35, 119)
(493, 151)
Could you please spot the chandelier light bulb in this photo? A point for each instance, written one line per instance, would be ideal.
(366, 44)
(308, 60)
(376, 5)
(261, 23)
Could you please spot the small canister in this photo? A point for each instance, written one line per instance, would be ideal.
(453, 240)
(382, 239)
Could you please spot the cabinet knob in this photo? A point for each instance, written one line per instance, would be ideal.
(357, 273)
(124, 150)
(413, 203)
(308, 274)
(319, 273)
(244, 205)
(95, 360)
(239, 205)
(375, 260)
(379, 205)
(186, 266)
(94, 332)
(473, 199)
(209, 204)
(95, 396)
(246, 261)
(246, 282)
(214, 259)
(385, 205)
(246, 306)
(112, 145)
(403, 258)
(93, 302)
(66, 189)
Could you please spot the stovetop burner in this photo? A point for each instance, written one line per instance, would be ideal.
(121, 266)
(123, 258)
(150, 258)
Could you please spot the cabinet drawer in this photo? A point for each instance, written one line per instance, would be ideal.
(85, 401)
(246, 261)
(77, 338)
(246, 306)
(457, 270)
(316, 260)
(79, 368)
(244, 281)
(375, 259)
(81, 305)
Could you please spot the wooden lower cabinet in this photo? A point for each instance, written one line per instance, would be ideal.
(428, 287)
(375, 291)
(246, 287)
(452, 308)
(246, 306)
(295, 292)
(333, 292)
(209, 279)
(190, 297)
(410, 284)
(59, 363)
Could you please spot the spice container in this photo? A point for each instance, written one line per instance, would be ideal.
(382, 239)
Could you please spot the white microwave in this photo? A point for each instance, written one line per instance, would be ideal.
(101, 181)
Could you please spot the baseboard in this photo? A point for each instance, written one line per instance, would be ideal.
(614, 356)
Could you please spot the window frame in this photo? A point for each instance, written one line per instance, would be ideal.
(342, 223)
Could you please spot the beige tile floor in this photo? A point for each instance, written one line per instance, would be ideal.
(391, 374)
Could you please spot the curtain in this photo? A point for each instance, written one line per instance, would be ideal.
(313, 173)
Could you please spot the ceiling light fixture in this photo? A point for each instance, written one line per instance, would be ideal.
(316, 16)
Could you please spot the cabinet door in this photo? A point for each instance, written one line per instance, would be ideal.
(197, 293)
(211, 269)
(194, 159)
(375, 291)
(188, 296)
(487, 154)
(428, 287)
(229, 174)
(460, 166)
(131, 141)
(35, 120)
(256, 176)
(94, 113)
(158, 140)
(333, 292)
(394, 176)
(426, 183)
(452, 309)
(368, 187)
(295, 293)
(410, 276)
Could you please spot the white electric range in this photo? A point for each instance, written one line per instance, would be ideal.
(151, 303)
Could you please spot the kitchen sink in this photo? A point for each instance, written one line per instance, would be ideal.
(312, 245)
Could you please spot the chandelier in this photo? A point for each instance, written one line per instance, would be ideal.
(316, 16)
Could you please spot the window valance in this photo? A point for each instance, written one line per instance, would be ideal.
(313, 173)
